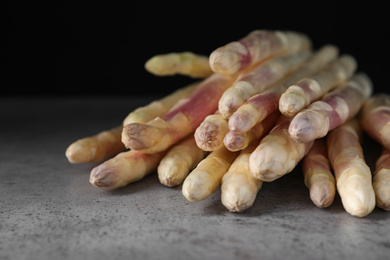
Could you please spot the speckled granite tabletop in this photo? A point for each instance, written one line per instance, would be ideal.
(48, 209)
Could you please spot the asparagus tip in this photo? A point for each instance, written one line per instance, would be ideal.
(77, 153)
(302, 130)
(322, 195)
(288, 104)
(225, 62)
(101, 177)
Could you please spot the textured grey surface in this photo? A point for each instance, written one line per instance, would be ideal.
(48, 209)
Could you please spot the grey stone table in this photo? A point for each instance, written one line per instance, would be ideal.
(48, 209)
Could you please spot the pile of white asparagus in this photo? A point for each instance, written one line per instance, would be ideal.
(263, 104)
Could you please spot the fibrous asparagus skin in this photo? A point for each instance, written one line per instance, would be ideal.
(381, 180)
(334, 109)
(210, 133)
(375, 118)
(255, 110)
(159, 107)
(185, 63)
(179, 161)
(353, 176)
(260, 105)
(277, 153)
(207, 176)
(123, 169)
(97, 147)
(160, 133)
(307, 90)
(258, 79)
(239, 188)
(236, 141)
(318, 175)
(254, 48)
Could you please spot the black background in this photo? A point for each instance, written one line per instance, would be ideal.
(67, 48)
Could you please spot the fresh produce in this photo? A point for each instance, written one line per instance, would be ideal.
(353, 176)
(239, 188)
(262, 105)
(184, 63)
(259, 78)
(96, 148)
(159, 134)
(334, 109)
(235, 140)
(159, 107)
(124, 168)
(318, 175)
(307, 90)
(277, 153)
(375, 118)
(207, 176)
(256, 108)
(209, 135)
(254, 48)
(381, 181)
(179, 161)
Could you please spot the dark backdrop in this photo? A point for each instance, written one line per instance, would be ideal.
(78, 48)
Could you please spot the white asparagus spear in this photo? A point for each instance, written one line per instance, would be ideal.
(307, 90)
(179, 161)
(353, 176)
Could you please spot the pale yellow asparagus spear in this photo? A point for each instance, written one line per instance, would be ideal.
(95, 148)
(239, 188)
(124, 168)
(353, 176)
(381, 180)
(207, 176)
(184, 63)
(254, 48)
(375, 118)
(159, 107)
(179, 161)
(307, 90)
(318, 175)
(277, 153)
(210, 133)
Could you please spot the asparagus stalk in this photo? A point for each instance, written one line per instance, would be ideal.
(375, 118)
(254, 48)
(206, 178)
(162, 132)
(381, 180)
(239, 188)
(277, 153)
(179, 161)
(93, 149)
(184, 63)
(124, 168)
(353, 176)
(318, 175)
(210, 133)
(236, 141)
(256, 108)
(159, 107)
(334, 109)
(259, 79)
(307, 90)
